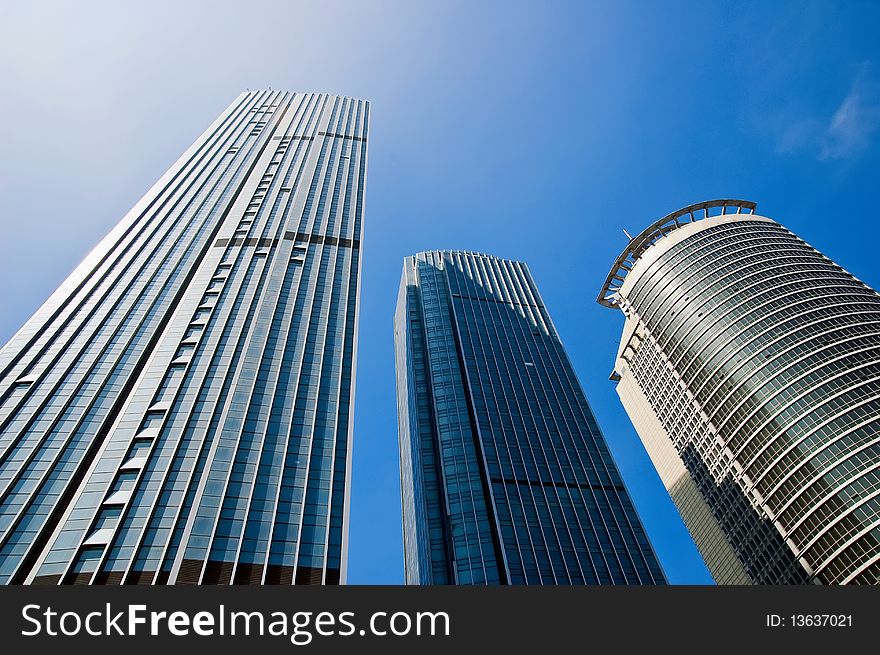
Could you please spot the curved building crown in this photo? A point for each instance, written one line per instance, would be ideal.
(750, 366)
(656, 231)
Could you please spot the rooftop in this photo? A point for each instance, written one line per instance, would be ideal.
(659, 229)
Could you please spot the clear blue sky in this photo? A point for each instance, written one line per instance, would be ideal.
(534, 131)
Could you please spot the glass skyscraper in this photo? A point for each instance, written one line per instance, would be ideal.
(506, 478)
(750, 366)
(180, 409)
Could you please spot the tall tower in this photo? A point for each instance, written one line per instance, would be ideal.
(750, 366)
(506, 478)
(180, 409)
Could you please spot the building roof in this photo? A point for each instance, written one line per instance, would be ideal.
(656, 231)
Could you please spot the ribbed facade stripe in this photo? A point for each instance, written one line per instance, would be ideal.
(755, 360)
(505, 476)
(180, 409)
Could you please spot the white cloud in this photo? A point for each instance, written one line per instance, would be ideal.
(845, 134)
(852, 125)
(793, 135)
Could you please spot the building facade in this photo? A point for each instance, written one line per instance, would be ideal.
(180, 410)
(505, 476)
(750, 366)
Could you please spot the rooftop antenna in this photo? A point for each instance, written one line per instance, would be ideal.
(627, 234)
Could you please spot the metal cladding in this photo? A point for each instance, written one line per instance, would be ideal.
(505, 476)
(180, 409)
(750, 366)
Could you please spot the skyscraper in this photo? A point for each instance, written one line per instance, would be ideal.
(506, 478)
(750, 366)
(179, 410)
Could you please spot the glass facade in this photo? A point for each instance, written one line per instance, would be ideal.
(180, 410)
(760, 359)
(506, 478)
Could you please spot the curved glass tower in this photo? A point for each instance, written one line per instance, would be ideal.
(179, 411)
(750, 366)
(506, 478)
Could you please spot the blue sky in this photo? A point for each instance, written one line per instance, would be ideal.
(535, 131)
